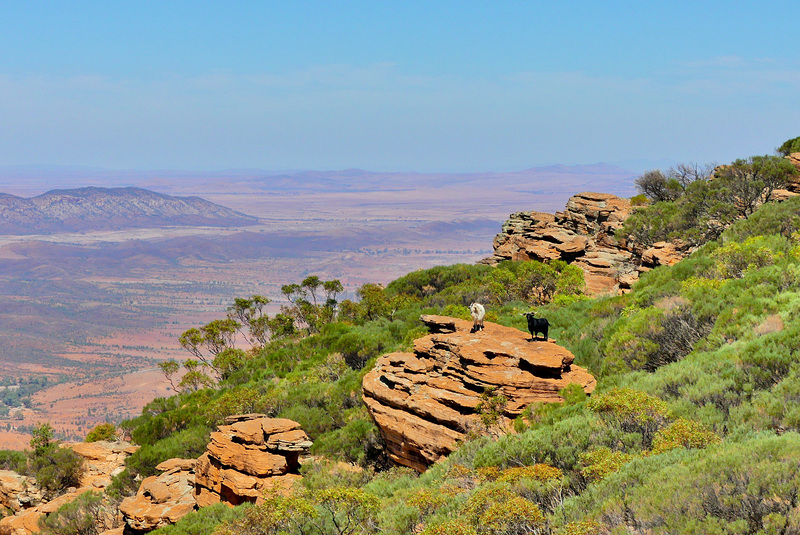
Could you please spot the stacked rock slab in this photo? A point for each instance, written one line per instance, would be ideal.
(161, 500)
(794, 185)
(247, 457)
(425, 402)
(583, 235)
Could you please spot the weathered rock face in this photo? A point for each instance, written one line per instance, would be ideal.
(102, 460)
(794, 185)
(247, 457)
(583, 235)
(425, 402)
(162, 500)
(18, 492)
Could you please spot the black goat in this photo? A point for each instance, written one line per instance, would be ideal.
(537, 325)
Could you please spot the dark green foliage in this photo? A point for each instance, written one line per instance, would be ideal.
(55, 468)
(12, 460)
(89, 514)
(658, 187)
(188, 443)
(789, 146)
(426, 282)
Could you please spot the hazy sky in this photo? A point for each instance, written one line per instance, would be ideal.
(394, 85)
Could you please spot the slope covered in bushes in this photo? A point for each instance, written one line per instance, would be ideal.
(694, 427)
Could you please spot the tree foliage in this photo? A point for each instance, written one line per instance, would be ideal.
(789, 146)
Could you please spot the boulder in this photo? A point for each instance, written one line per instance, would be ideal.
(102, 461)
(794, 185)
(162, 500)
(18, 492)
(425, 402)
(247, 457)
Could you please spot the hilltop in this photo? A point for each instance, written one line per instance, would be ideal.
(94, 208)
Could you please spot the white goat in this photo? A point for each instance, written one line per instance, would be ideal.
(477, 312)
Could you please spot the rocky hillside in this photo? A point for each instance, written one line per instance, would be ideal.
(93, 208)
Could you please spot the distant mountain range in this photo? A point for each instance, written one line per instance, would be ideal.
(95, 208)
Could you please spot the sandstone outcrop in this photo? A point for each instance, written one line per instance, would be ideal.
(18, 492)
(162, 500)
(426, 401)
(583, 235)
(794, 185)
(247, 457)
(102, 460)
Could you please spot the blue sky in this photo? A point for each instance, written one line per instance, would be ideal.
(400, 85)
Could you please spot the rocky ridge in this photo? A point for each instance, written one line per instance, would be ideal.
(425, 402)
(583, 235)
(93, 208)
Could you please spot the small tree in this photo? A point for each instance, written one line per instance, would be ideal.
(789, 146)
(55, 468)
(752, 181)
(249, 315)
(658, 187)
(306, 307)
(687, 173)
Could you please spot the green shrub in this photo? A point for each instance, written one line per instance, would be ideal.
(601, 462)
(104, 431)
(683, 433)
(13, 460)
(449, 527)
(741, 488)
(789, 146)
(88, 514)
(633, 411)
(204, 521)
(186, 444)
(514, 515)
(55, 468)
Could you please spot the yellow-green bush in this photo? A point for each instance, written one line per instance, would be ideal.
(683, 433)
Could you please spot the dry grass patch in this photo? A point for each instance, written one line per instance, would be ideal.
(772, 324)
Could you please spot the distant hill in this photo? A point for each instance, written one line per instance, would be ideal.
(94, 208)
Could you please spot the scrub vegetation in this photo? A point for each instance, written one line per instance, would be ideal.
(694, 427)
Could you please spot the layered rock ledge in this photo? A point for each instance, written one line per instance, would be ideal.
(583, 235)
(247, 457)
(425, 402)
(161, 500)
